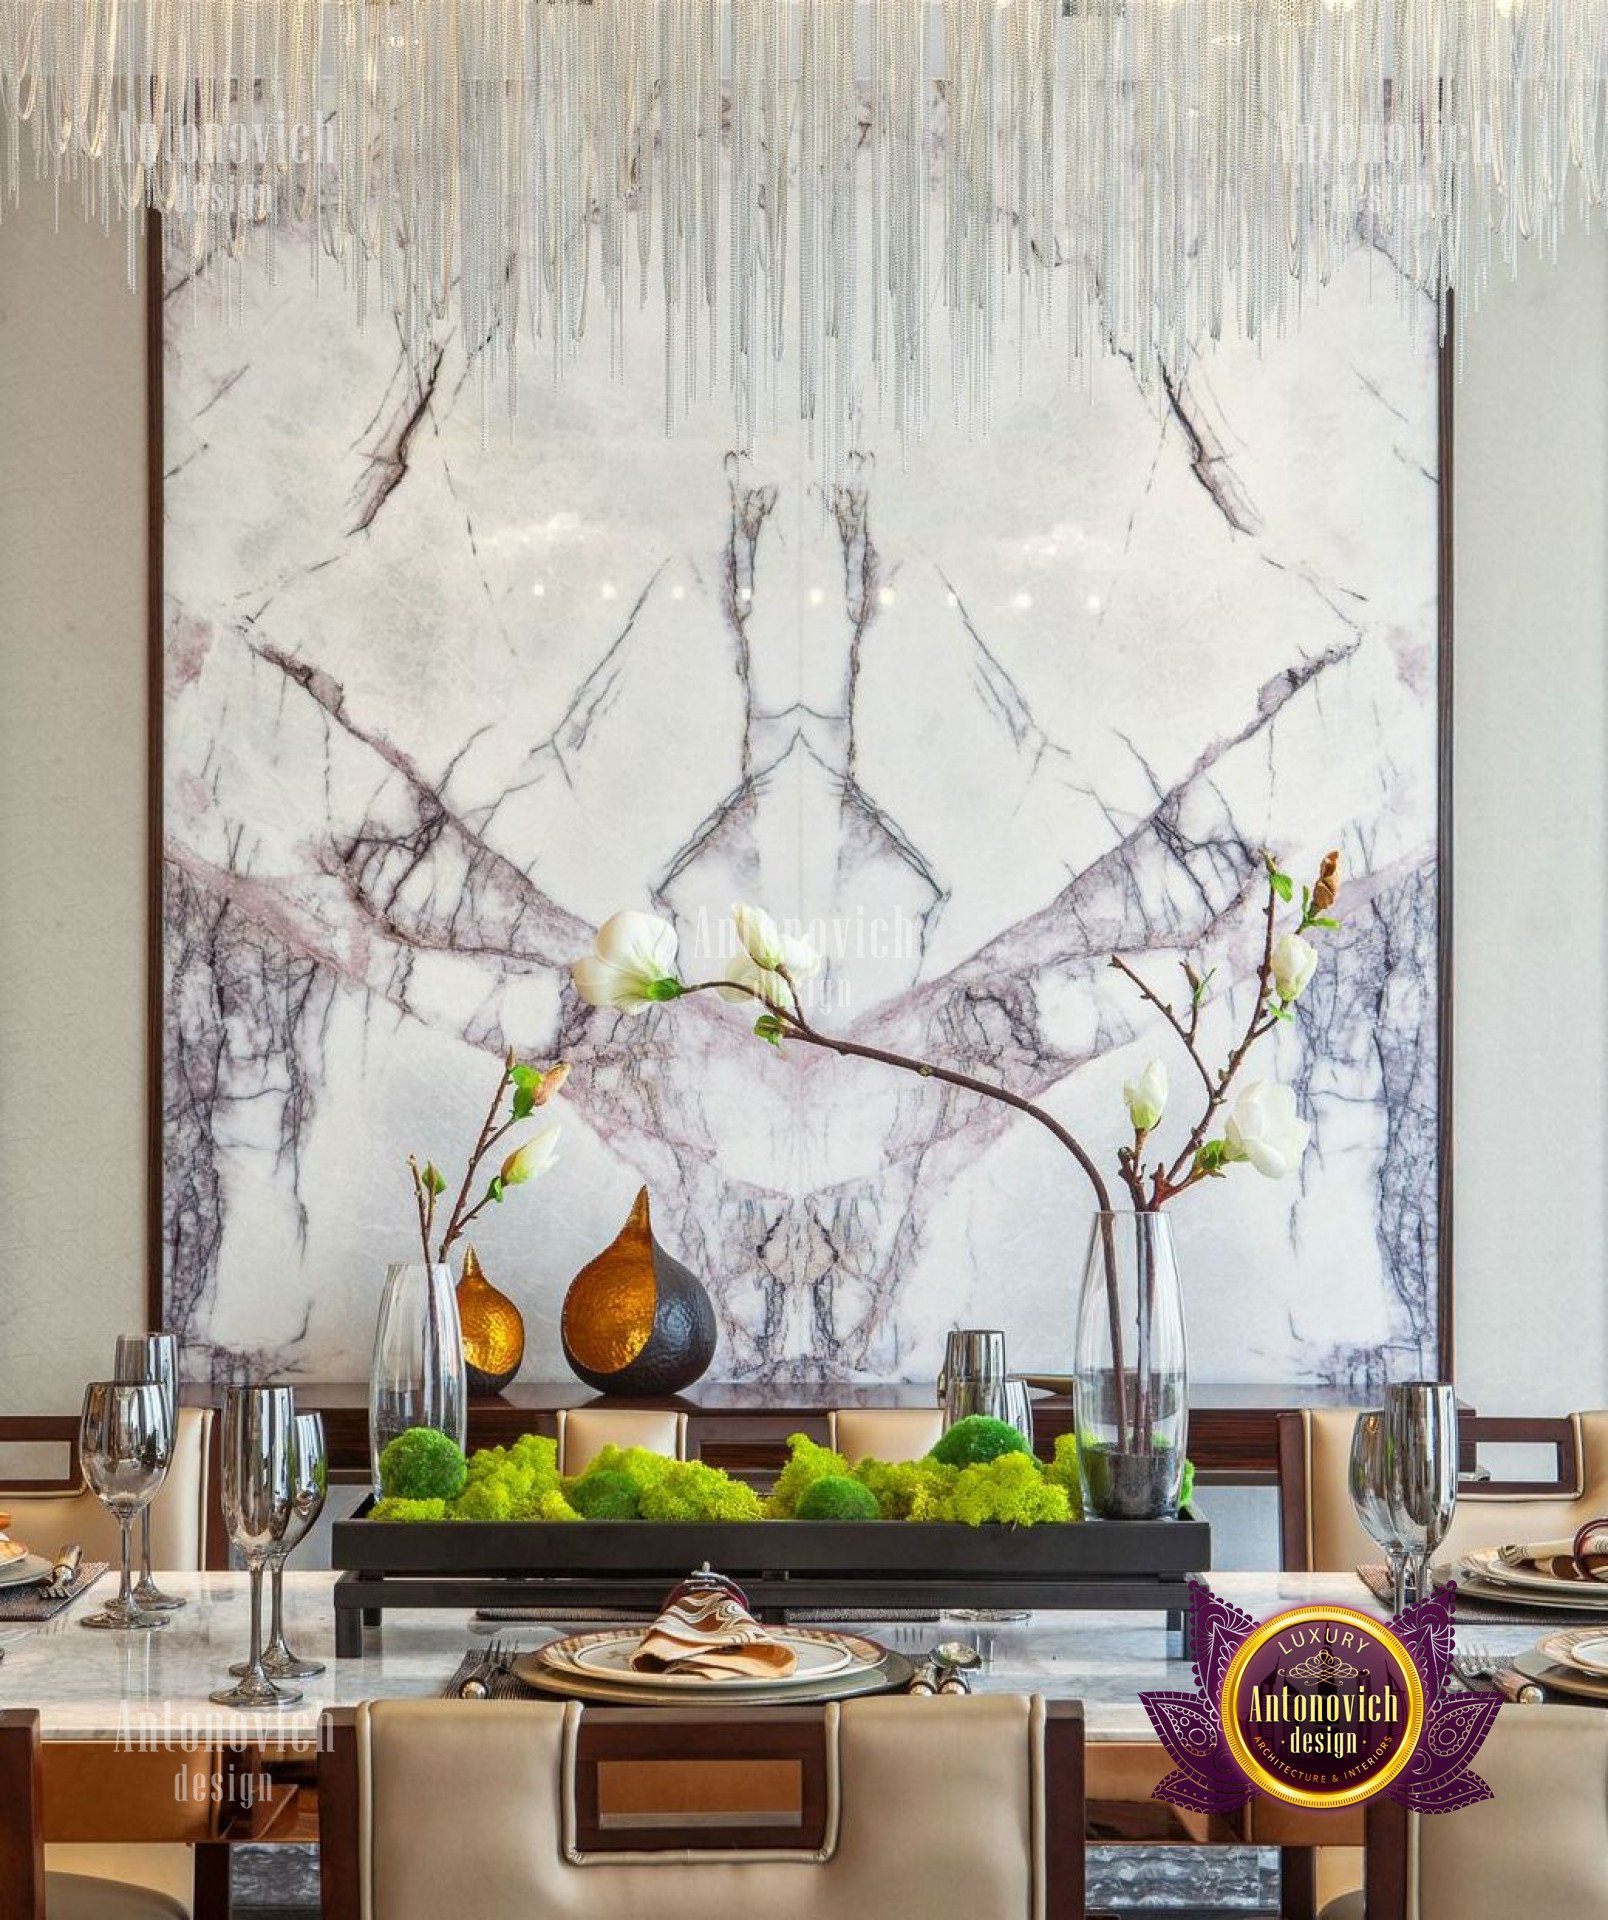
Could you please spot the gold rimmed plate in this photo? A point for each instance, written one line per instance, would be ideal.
(891, 1673)
(1556, 1678)
(1487, 1565)
(26, 1572)
(605, 1655)
(1561, 1597)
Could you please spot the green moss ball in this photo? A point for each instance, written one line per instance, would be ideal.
(423, 1464)
(605, 1495)
(837, 1498)
(977, 1439)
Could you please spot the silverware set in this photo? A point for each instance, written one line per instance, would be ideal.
(63, 1572)
(496, 1659)
(1481, 1671)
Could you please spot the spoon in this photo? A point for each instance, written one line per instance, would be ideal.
(957, 1655)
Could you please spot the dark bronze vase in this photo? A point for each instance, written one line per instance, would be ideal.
(635, 1320)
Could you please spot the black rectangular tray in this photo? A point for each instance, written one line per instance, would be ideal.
(865, 1564)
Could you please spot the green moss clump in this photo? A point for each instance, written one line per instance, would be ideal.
(423, 1464)
(908, 1489)
(604, 1493)
(837, 1498)
(485, 1499)
(977, 1439)
(688, 1490)
(1011, 1490)
(1063, 1472)
(1186, 1491)
(807, 1462)
(395, 1508)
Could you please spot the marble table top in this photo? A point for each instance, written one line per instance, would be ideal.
(153, 1687)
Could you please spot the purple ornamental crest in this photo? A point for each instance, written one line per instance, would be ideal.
(1208, 1779)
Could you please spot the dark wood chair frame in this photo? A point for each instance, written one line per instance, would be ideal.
(626, 1734)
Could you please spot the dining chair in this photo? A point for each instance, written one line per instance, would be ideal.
(47, 1513)
(27, 1890)
(1320, 1532)
(583, 1433)
(950, 1807)
(1538, 1847)
(884, 1433)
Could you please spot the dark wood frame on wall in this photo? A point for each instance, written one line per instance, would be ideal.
(155, 1007)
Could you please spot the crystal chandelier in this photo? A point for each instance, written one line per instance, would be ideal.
(838, 201)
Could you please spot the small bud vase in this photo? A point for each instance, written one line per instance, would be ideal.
(1132, 1375)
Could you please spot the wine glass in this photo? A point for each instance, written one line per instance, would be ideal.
(151, 1359)
(125, 1446)
(1422, 1417)
(309, 1484)
(1369, 1477)
(258, 1456)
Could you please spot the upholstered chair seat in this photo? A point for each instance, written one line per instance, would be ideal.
(81, 1896)
(583, 1433)
(885, 1433)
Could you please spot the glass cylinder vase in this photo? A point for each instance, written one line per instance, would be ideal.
(417, 1378)
(1132, 1376)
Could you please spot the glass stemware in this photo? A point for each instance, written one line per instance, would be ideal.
(309, 1485)
(151, 1359)
(1422, 1417)
(1369, 1478)
(258, 1457)
(125, 1446)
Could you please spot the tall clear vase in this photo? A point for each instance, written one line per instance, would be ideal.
(1132, 1374)
(417, 1378)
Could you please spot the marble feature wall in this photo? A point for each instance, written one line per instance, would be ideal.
(982, 715)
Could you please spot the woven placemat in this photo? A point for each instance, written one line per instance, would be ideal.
(605, 1616)
(794, 1616)
(502, 1686)
(32, 1603)
(1467, 1608)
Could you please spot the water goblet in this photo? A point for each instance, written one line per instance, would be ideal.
(258, 1457)
(151, 1359)
(1422, 1416)
(125, 1446)
(310, 1483)
(1369, 1478)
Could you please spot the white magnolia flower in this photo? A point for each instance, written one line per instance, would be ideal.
(769, 948)
(1294, 962)
(751, 982)
(1266, 1129)
(1147, 1096)
(632, 965)
(531, 1160)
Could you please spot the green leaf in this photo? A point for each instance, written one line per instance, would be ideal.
(768, 1027)
(665, 989)
(1282, 885)
(1323, 920)
(1201, 985)
(495, 1190)
(1209, 1157)
(433, 1179)
(524, 1103)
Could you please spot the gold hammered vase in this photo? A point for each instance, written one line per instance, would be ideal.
(493, 1330)
(636, 1321)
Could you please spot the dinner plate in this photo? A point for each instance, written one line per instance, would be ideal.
(1534, 1665)
(1559, 1598)
(1584, 1648)
(26, 1571)
(890, 1674)
(1487, 1564)
(611, 1659)
(606, 1655)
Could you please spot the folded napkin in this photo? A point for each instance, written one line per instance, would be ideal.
(1584, 1558)
(706, 1631)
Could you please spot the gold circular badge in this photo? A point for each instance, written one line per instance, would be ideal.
(1322, 1706)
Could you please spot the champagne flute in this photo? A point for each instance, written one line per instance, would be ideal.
(258, 1478)
(125, 1446)
(153, 1359)
(1369, 1477)
(1422, 1416)
(309, 1484)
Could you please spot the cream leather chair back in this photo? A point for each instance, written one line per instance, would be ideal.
(934, 1807)
(47, 1521)
(1541, 1846)
(583, 1433)
(1336, 1541)
(885, 1433)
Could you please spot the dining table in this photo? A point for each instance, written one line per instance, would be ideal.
(133, 1749)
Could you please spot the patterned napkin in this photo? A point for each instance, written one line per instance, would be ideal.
(1584, 1558)
(705, 1630)
(33, 1603)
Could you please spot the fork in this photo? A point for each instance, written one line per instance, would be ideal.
(493, 1660)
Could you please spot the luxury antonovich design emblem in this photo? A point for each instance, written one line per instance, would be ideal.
(1321, 1706)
